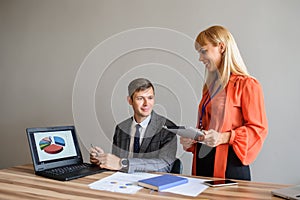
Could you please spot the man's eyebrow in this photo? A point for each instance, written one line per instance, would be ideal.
(151, 95)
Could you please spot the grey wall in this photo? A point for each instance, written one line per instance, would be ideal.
(69, 61)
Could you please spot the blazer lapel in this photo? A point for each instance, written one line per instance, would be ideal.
(149, 133)
(153, 127)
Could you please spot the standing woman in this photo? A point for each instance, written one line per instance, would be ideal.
(231, 112)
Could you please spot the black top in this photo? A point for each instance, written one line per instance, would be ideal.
(205, 164)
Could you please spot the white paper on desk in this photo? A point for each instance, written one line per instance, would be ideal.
(193, 187)
(127, 183)
(121, 182)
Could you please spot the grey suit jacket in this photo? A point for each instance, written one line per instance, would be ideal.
(158, 148)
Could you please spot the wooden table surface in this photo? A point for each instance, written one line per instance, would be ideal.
(20, 182)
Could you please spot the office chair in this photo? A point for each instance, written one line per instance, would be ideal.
(177, 167)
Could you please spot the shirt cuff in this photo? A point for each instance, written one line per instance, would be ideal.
(232, 137)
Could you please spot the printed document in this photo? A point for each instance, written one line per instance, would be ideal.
(128, 184)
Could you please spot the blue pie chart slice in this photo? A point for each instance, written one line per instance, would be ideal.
(59, 141)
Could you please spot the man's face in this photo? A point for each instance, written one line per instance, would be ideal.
(142, 103)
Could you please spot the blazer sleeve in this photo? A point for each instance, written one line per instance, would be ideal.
(158, 161)
(247, 139)
(159, 154)
(116, 144)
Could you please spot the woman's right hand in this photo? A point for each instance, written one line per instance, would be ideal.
(187, 142)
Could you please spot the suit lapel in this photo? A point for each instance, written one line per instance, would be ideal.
(150, 132)
(153, 127)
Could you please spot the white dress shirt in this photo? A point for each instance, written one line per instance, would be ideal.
(143, 127)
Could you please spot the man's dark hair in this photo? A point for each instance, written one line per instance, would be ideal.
(137, 85)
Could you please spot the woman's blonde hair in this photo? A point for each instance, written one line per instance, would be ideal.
(232, 61)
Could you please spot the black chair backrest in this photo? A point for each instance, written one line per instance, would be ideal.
(177, 167)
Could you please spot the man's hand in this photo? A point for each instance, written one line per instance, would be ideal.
(104, 160)
(94, 155)
(110, 161)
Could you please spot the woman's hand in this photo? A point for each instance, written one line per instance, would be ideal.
(187, 142)
(214, 138)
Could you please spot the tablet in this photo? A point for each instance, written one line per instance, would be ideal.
(189, 132)
(218, 183)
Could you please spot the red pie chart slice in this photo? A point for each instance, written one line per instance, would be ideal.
(52, 144)
(53, 149)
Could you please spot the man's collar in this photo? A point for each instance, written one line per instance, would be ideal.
(143, 123)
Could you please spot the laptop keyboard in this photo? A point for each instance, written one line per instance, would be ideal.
(68, 169)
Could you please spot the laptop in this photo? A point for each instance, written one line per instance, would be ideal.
(56, 154)
(292, 192)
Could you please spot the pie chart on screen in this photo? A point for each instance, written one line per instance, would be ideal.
(52, 145)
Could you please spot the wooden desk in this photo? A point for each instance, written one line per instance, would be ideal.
(20, 182)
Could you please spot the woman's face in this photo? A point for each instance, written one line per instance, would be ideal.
(211, 56)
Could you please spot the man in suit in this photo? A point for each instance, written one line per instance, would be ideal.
(140, 143)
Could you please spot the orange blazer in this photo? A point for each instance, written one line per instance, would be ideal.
(245, 118)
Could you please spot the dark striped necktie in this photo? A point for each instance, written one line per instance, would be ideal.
(136, 144)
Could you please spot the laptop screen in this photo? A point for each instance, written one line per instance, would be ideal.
(53, 146)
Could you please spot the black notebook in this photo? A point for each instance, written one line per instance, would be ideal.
(56, 154)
